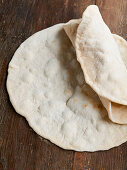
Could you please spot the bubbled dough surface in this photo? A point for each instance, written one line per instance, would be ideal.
(46, 85)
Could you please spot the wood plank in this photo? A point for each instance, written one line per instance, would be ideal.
(20, 147)
(114, 14)
(114, 159)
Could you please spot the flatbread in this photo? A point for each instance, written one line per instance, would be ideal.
(100, 59)
(117, 112)
(46, 85)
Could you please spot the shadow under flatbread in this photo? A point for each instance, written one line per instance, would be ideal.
(68, 55)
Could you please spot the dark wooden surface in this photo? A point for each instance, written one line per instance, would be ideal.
(20, 147)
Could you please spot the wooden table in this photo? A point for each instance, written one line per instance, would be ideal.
(20, 147)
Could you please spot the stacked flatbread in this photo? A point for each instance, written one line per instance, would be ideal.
(59, 97)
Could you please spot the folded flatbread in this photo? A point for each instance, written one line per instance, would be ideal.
(100, 58)
(117, 112)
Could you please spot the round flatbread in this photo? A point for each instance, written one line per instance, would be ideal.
(46, 85)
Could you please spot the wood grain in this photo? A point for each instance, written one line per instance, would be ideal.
(20, 147)
(114, 13)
